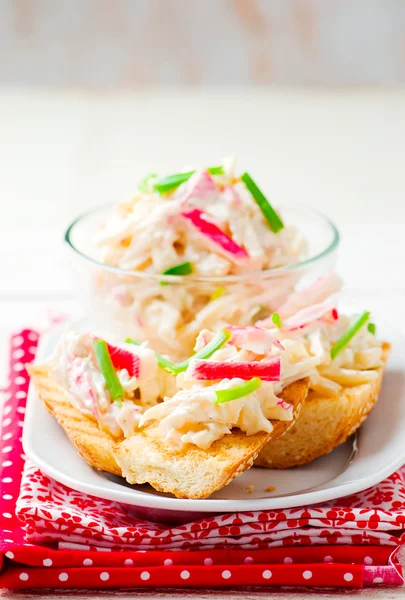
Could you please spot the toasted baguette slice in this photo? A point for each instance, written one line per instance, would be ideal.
(93, 444)
(323, 424)
(193, 472)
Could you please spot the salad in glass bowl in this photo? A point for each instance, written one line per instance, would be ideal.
(199, 249)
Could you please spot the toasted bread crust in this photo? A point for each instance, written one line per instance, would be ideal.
(323, 424)
(94, 445)
(144, 458)
(193, 472)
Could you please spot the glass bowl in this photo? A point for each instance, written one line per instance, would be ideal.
(171, 310)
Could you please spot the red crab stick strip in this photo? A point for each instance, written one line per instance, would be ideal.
(319, 291)
(124, 359)
(310, 315)
(266, 370)
(215, 235)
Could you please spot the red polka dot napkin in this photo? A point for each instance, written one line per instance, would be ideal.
(52, 536)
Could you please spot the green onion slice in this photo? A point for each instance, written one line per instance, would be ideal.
(276, 320)
(144, 184)
(372, 328)
(112, 381)
(163, 362)
(219, 339)
(349, 335)
(276, 224)
(173, 181)
(185, 268)
(238, 391)
(217, 342)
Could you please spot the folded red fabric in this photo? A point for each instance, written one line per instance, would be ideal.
(52, 536)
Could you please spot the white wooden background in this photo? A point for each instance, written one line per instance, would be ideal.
(112, 43)
(61, 152)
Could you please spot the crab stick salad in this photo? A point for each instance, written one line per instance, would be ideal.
(347, 347)
(206, 223)
(241, 384)
(231, 381)
(234, 379)
(110, 381)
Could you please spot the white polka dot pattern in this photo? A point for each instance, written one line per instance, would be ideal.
(145, 575)
(288, 560)
(208, 562)
(128, 562)
(307, 574)
(226, 574)
(267, 574)
(47, 562)
(23, 576)
(168, 562)
(368, 560)
(185, 574)
(63, 577)
(10, 555)
(87, 562)
(348, 576)
(104, 576)
(378, 580)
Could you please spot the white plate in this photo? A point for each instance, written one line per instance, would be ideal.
(358, 464)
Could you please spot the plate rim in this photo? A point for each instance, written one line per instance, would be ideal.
(205, 505)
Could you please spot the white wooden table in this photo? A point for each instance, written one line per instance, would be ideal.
(63, 152)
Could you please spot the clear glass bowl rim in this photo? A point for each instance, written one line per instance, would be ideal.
(263, 274)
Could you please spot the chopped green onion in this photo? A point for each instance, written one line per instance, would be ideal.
(173, 181)
(144, 184)
(276, 224)
(216, 170)
(185, 268)
(350, 333)
(217, 293)
(163, 362)
(238, 391)
(276, 320)
(217, 342)
(372, 328)
(219, 339)
(112, 381)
